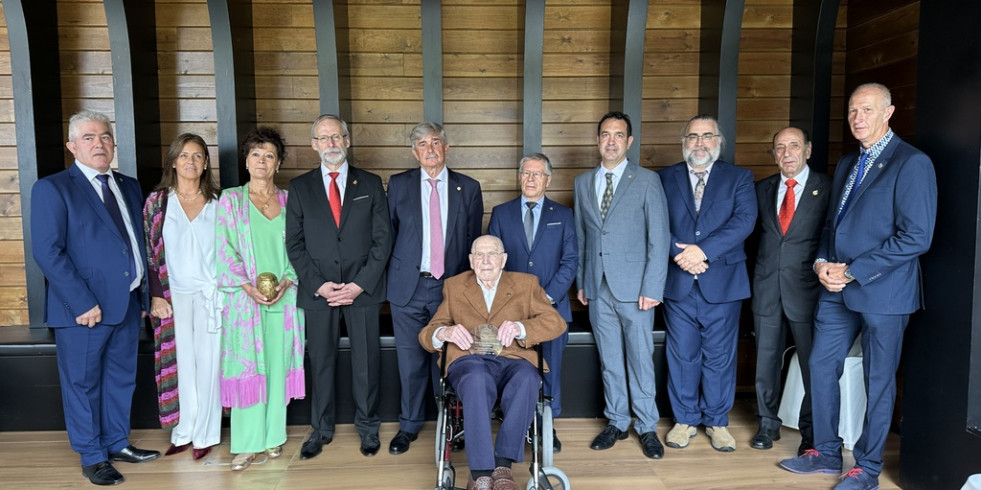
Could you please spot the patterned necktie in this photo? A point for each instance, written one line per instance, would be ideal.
(530, 223)
(109, 199)
(699, 189)
(435, 232)
(335, 198)
(852, 186)
(786, 214)
(607, 196)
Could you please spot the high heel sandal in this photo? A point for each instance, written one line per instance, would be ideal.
(242, 461)
(274, 452)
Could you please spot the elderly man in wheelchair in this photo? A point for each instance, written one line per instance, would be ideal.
(491, 320)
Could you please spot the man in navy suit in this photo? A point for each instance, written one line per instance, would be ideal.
(792, 208)
(436, 214)
(712, 209)
(880, 220)
(622, 230)
(541, 237)
(88, 240)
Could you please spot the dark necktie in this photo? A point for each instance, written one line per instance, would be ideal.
(335, 198)
(607, 196)
(851, 190)
(786, 214)
(109, 199)
(530, 223)
(699, 189)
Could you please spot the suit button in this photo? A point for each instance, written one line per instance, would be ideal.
(600, 254)
(338, 238)
(531, 264)
(126, 273)
(698, 233)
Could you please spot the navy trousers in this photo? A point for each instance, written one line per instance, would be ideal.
(417, 366)
(835, 329)
(701, 352)
(478, 381)
(552, 352)
(97, 370)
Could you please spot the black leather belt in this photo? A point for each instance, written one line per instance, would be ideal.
(426, 274)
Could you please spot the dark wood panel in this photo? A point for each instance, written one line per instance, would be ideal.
(751, 40)
(279, 15)
(72, 38)
(492, 88)
(456, 41)
(383, 17)
(768, 16)
(764, 86)
(671, 63)
(899, 20)
(575, 41)
(755, 63)
(763, 109)
(673, 17)
(284, 39)
(385, 40)
(892, 50)
(184, 15)
(862, 11)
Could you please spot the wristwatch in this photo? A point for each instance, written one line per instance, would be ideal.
(848, 274)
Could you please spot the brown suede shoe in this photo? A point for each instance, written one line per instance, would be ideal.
(503, 479)
(482, 483)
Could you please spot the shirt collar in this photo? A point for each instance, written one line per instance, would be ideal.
(801, 177)
(707, 170)
(874, 150)
(617, 171)
(89, 172)
(497, 282)
(341, 172)
(442, 176)
(525, 200)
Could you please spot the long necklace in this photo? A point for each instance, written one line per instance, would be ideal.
(265, 203)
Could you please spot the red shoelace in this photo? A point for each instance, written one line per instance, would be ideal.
(853, 473)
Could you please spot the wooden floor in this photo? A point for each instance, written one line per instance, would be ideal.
(42, 460)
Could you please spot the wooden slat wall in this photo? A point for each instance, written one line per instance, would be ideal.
(13, 289)
(882, 47)
(379, 46)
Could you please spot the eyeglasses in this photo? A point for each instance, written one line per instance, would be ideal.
(692, 138)
(336, 138)
(525, 174)
(489, 255)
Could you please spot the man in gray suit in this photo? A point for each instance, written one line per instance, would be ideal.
(622, 229)
(792, 208)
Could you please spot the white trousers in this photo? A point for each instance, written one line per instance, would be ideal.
(198, 354)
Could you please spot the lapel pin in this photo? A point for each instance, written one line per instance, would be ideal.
(815, 192)
(880, 165)
(458, 188)
(355, 182)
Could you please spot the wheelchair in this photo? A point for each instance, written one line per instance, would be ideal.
(450, 436)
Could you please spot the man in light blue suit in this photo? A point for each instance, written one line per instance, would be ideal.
(712, 206)
(622, 229)
(87, 229)
(880, 220)
(540, 237)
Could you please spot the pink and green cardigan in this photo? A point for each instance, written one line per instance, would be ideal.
(164, 344)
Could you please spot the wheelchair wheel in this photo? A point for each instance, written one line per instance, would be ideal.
(449, 477)
(547, 425)
(550, 478)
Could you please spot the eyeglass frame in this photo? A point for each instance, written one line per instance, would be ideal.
(335, 138)
(693, 138)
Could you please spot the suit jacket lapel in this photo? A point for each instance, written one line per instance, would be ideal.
(502, 297)
(413, 200)
(518, 224)
(453, 203)
(684, 184)
(769, 211)
(717, 175)
(548, 209)
(350, 192)
(475, 296)
(811, 191)
(93, 198)
(625, 180)
(878, 166)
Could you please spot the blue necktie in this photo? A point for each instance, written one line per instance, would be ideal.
(858, 182)
(109, 199)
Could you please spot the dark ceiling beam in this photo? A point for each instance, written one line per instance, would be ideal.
(133, 43)
(32, 27)
(234, 53)
(810, 67)
(628, 27)
(432, 61)
(534, 38)
(721, 24)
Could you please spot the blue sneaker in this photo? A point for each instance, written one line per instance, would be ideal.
(857, 479)
(812, 462)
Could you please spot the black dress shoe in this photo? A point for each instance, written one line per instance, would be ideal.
(651, 445)
(400, 443)
(102, 474)
(805, 444)
(556, 443)
(764, 438)
(370, 444)
(314, 445)
(130, 454)
(607, 438)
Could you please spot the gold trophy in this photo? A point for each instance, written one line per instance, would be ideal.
(266, 284)
(485, 340)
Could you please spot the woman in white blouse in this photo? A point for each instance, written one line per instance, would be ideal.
(179, 219)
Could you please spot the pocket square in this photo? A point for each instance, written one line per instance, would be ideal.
(556, 223)
(360, 198)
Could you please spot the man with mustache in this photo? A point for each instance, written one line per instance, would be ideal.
(712, 209)
(622, 230)
(338, 240)
(435, 214)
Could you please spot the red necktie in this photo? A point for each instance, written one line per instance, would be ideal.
(335, 198)
(786, 214)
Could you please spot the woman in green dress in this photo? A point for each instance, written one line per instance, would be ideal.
(262, 337)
